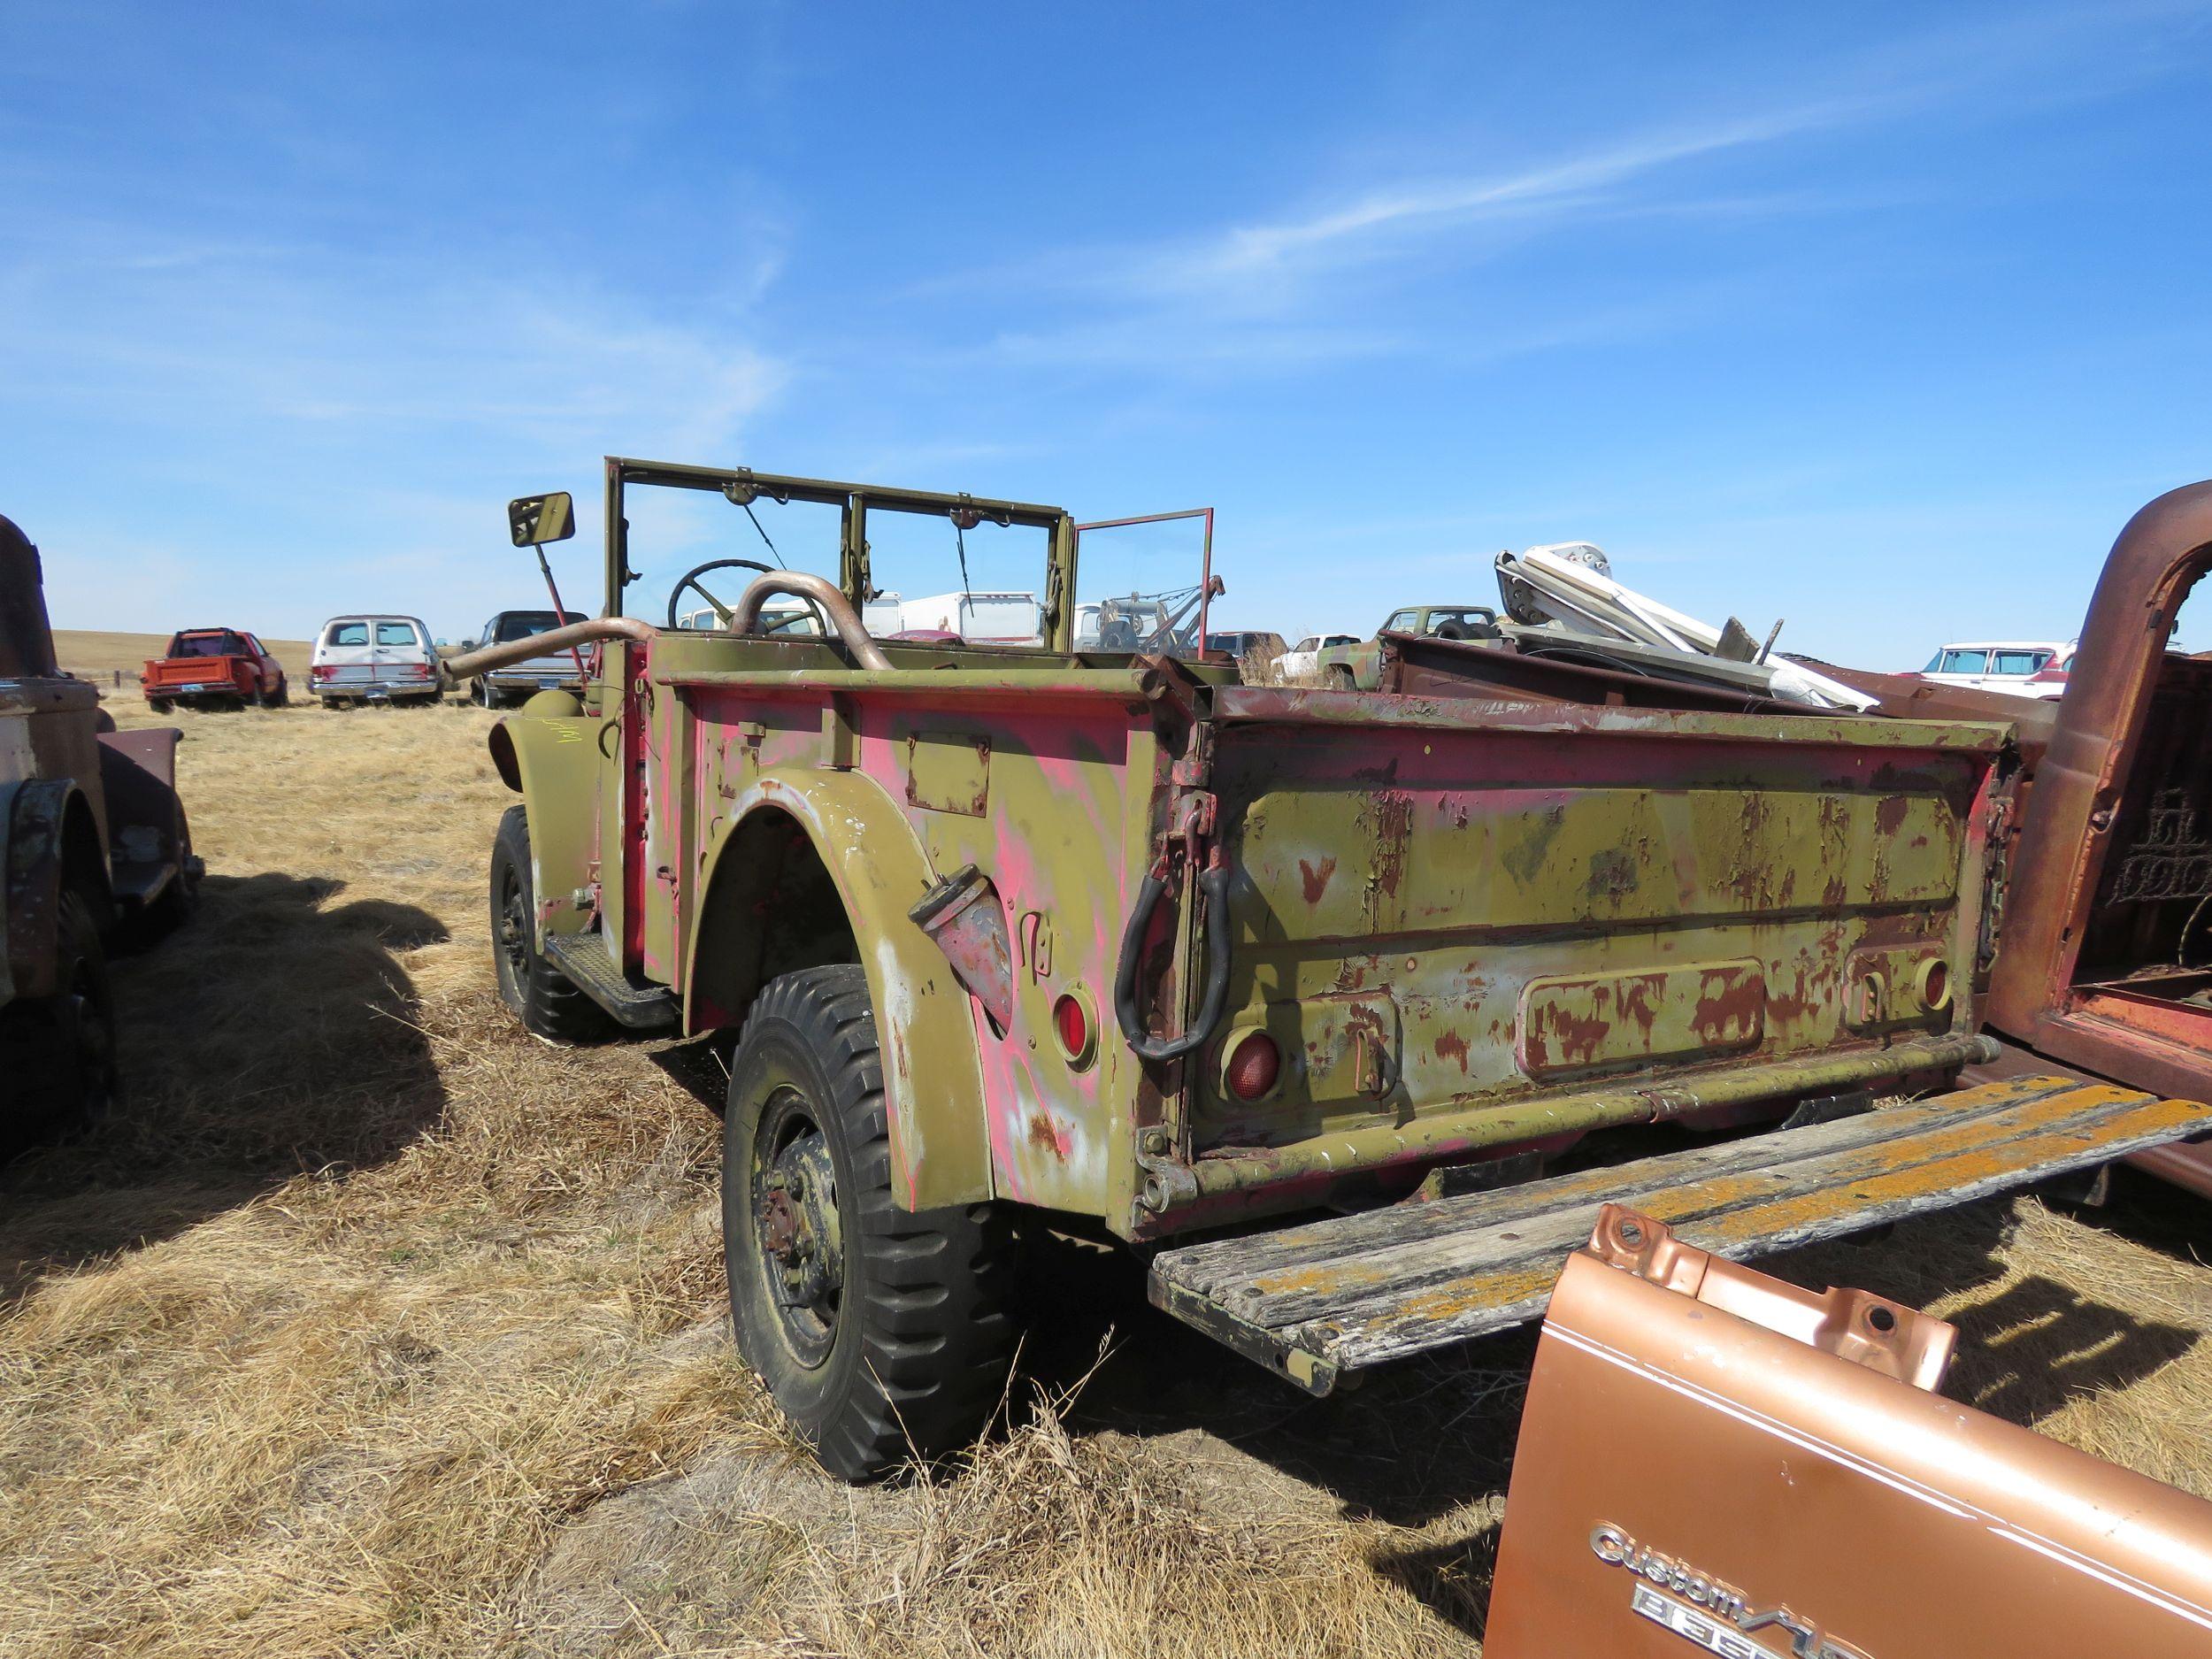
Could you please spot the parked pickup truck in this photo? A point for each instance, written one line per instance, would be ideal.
(91, 835)
(518, 682)
(214, 668)
(1357, 666)
(1352, 1009)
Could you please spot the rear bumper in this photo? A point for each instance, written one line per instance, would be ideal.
(1314, 1302)
(376, 691)
(533, 679)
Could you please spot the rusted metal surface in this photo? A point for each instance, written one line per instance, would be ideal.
(1477, 924)
(1318, 1300)
(2110, 860)
(1710, 1459)
(68, 793)
(964, 915)
(1429, 667)
(26, 643)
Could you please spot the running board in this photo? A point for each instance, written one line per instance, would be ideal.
(583, 960)
(1314, 1302)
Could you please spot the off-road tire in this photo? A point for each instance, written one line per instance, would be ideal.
(1340, 677)
(159, 705)
(542, 997)
(282, 697)
(920, 1336)
(60, 1049)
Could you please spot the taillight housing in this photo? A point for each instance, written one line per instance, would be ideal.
(1251, 1066)
(320, 672)
(1074, 1029)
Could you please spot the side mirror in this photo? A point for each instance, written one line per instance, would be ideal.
(532, 520)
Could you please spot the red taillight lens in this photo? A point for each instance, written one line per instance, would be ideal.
(1072, 1028)
(1254, 1065)
(320, 672)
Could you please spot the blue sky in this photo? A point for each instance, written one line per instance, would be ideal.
(1879, 319)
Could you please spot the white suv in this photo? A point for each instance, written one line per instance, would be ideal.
(374, 660)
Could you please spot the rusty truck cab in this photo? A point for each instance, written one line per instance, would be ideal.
(2110, 886)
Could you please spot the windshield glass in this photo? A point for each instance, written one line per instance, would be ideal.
(1139, 584)
(985, 584)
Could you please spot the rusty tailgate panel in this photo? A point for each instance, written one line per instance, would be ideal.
(1550, 897)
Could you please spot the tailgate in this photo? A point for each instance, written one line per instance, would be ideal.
(180, 673)
(1316, 1301)
(1714, 1461)
(1445, 912)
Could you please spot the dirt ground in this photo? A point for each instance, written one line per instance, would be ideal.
(370, 1325)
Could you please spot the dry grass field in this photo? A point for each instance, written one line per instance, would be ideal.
(371, 1325)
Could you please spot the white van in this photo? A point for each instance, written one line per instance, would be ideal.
(978, 618)
(374, 660)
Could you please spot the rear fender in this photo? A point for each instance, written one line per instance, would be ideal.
(933, 1075)
(50, 842)
(547, 754)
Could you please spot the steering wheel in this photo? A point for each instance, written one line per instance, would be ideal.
(690, 579)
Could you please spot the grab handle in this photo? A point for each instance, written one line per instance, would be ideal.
(1213, 882)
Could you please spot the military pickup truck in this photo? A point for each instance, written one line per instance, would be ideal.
(1349, 1010)
(1358, 666)
(92, 835)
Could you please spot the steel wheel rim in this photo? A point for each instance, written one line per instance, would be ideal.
(798, 1240)
(514, 926)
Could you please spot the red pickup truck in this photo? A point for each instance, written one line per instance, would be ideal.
(214, 667)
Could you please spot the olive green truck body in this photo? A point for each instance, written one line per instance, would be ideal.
(1391, 954)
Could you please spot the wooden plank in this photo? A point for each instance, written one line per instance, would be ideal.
(1503, 1299)
(1199, 1266)
(1288, 1295)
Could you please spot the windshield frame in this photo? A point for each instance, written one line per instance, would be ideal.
(742, 487)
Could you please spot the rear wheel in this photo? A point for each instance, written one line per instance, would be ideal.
(159, 705)
(60, 1049)
(543, 998)
(883, 1333)
(283, 695)
(1340, 677)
